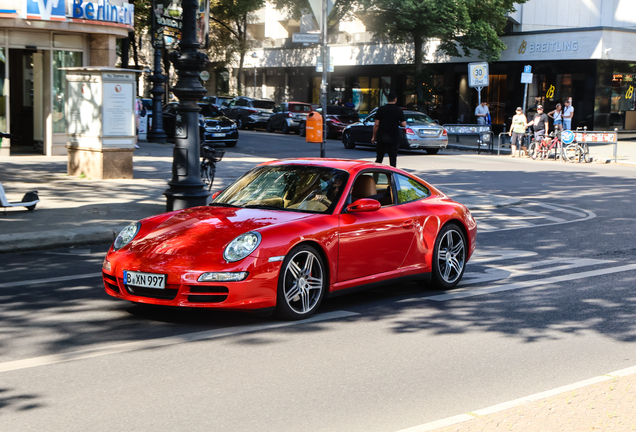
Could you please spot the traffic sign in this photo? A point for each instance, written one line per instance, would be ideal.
(526, 78)
(306, 38)
(478, 74)
(205, 75)
(527, 69)
(567, 137)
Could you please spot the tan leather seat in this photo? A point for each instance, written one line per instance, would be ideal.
(364, 187)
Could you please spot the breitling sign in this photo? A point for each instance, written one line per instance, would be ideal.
(551, 46)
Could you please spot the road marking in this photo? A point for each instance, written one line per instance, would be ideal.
(161, 342)
(458, 294)
(564, 210)
(450, 421)
(49, 280)
(537, 214)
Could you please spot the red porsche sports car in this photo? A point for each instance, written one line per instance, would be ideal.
(287, 234)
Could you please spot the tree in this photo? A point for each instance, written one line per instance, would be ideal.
(457, 24)
(229, 30)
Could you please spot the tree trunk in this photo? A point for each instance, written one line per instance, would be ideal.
(417, 79)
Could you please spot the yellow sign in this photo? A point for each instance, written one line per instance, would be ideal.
(629, 93)
(522, 47)
(550, 93)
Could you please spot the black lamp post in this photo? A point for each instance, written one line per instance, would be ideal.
(186, 189)
(157, 134)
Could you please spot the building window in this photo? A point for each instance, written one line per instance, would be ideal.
(62, 59)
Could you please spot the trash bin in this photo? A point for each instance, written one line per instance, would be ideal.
(314, 127)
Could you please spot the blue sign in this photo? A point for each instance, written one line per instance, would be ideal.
(102, 10)
(46, 10)
(527, 69)
(567, 137)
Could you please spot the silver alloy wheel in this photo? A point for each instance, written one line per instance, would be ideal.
(451, 256)
(303, 282)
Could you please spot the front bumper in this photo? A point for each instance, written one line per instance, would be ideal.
(211, 135)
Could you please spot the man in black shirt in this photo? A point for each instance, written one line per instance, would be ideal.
(386, 130)
(540, 124)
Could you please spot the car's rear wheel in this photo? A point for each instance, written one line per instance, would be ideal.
(432, 151)
(449, 257)
(239, 123)
(302, 283)
(285, 129)
(302, 130)
(269, 127)
(347, 141)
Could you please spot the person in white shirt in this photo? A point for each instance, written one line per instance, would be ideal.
(568, 113)
(481, 112)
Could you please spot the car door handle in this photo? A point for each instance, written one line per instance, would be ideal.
(408, 224)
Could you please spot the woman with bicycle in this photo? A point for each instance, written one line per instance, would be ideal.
(517, 131)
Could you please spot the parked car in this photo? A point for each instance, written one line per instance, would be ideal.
(248, 112)
(288, 234)
(213, 125)
(338, 118)
(288, 116)
(421, 132)
(219, 101)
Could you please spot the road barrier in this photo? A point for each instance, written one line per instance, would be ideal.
(595, 140)
(484, 132)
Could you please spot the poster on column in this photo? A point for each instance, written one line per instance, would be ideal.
(118, 109)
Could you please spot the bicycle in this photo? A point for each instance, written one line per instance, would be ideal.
(210, 156)
(577, 152)
(542, 149)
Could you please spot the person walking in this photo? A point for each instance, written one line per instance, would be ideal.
(540, 124)
(517, 131)
(482, 112)
(568, 113)
(386, 130)
(557, 115)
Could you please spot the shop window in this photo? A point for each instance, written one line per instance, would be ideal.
(62, 59)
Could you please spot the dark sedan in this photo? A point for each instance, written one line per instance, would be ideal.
(421, 132)
(338, 118)
(213, 125)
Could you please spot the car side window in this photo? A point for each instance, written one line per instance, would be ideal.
(409, 190)
(375, 185)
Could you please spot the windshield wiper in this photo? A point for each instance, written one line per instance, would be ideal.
(263, 206)
(220, 204)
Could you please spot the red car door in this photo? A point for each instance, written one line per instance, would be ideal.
(374, 242)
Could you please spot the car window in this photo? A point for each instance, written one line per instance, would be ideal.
(263, 104)
(241, 102)
(233, 103)
(300, 108)
(418, 119)
(370, 119)
(409, 190)
(209, 111)
(343, 111)
(375, 185)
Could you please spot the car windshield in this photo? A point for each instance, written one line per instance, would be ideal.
(342, 111)
(300, 108)
(290, 188)
(263, 104)
(417, 119)
(209, 111)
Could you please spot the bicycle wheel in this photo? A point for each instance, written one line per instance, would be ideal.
(573, 153)
(532, 150)
(586, 153)
(205, 173)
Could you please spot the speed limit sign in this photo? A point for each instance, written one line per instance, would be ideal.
(478, 74)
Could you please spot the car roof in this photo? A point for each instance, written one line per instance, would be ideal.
(351, 165)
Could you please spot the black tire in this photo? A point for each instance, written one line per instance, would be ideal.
(347, 141)
(449, 268)
(239, 123)
(285, 128)
(432, 151)
(302, 129)
(31, 208)
(269, 127)
(302, 283)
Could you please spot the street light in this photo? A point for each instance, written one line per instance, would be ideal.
(157, 134)
(254, 56)
(186, 189)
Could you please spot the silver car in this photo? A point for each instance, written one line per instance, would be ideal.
(424, 133)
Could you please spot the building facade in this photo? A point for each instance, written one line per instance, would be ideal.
(37, 38)
(579, 49)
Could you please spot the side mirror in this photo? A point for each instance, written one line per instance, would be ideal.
(364, 205)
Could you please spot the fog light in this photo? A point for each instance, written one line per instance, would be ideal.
(106, 265)
(223, 277)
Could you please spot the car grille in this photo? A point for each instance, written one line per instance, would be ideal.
(110, 282)
(214, 128)
(213, 294)
(162, 294)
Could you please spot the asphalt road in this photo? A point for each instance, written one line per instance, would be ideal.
(547, 301)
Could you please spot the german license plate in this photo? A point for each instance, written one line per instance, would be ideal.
(145, 280)
(429, 132)
(218, 135)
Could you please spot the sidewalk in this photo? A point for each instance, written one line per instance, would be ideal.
(75, 211)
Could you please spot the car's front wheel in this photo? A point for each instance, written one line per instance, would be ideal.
(239, 123)
(302, 130)
(269, 127)
(302, 283)
(347, 141)
(449, 257)
(285, 128)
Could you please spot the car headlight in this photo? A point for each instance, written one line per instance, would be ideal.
(233, 126)
(242, 246)
(126, 235)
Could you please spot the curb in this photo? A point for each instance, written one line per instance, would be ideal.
(23, 242)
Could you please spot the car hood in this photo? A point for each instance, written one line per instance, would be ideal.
(205, 229)
(218, 121)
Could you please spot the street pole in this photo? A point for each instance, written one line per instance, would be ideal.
(323, 86)
(157, 134)
(186, 189)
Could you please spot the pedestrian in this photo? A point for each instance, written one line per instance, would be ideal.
(517, 131)
(557, 115)
(139, 107)
(568, 113)
(350, 104)
(540, 124)
(386, 130)
(482, 112)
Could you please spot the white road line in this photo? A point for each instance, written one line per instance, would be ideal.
(49, 280)
(161, 342)
(537, 214)
(564, 210)
(457, 294)
(519, 402)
